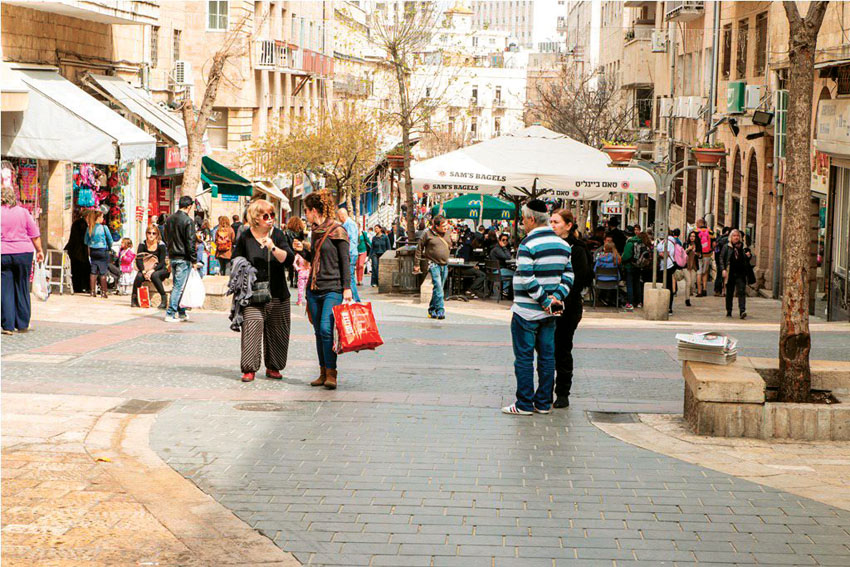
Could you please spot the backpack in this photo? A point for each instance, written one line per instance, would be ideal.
(680, 257)
(705, 240)
(642, 256)
(222, 242)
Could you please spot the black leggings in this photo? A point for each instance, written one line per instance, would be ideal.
(565, 328)
(156, 279)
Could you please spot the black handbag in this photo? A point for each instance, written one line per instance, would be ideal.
(262, 294)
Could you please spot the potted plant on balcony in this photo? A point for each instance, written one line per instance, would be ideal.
(621, 151)
(395, 157)
(709, 155)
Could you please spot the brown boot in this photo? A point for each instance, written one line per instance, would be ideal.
(93, 284)
(104, 289)
(330, 381)
(323, 375)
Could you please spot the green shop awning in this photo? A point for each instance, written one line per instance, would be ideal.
(223, 181)
(469, 207)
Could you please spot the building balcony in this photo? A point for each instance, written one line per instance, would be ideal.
(352, 85)
(637, 63)
(124, 12)
(683, 10)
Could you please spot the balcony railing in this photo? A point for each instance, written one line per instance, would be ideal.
(683, 10)
(352, 85)
(267, 54)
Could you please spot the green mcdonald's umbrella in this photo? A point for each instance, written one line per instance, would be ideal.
(469, 207)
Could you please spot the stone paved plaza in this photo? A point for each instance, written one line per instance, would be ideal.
(410, 462)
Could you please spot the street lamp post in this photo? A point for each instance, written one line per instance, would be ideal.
(663, 175)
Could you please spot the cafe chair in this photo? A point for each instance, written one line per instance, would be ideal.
(494, 278)
(606, 285)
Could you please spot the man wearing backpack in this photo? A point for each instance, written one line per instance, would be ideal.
(637, 257)
(706, 242)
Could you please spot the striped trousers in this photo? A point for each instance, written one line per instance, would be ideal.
(265, 327)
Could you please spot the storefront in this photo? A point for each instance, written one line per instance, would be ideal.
(833, 133)
(165, 176)
(67, 151)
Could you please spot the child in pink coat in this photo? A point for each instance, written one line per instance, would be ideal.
(303, 268)
(126, 258)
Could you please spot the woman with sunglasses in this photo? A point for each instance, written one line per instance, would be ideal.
(265, 324)
(150, 261)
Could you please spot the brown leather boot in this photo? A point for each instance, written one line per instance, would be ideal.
(330, 381)
(323, 375)
(93, 284)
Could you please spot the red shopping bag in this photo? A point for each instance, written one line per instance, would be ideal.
(356, 328)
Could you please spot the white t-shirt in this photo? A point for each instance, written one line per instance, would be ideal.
(671, 247)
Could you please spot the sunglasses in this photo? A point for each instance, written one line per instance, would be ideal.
(268, 216)
(154, 233)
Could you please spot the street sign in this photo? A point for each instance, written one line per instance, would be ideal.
(231, 198)
(612, 208)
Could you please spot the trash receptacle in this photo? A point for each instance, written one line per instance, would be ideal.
(404, 280)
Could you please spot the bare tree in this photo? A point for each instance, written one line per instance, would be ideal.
(794, 338)
(236, 43)
(587, 108)
(404, 38)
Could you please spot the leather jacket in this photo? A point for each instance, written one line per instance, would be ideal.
(180, 237)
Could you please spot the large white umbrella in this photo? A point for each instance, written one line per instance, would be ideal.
(532, 158)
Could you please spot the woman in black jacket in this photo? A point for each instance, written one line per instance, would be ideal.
(737, 272)
(564, 225)
(150, 261)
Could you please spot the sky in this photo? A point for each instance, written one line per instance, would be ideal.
(546, 13)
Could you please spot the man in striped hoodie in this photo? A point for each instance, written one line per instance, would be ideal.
(543, 278)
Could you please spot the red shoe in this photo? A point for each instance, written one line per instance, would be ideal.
(248, 377)
(274, 374)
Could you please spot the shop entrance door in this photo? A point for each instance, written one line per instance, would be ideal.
(838, 245)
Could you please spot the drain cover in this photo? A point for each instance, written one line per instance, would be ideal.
(262, 406)
(612, 417)
(141, 406)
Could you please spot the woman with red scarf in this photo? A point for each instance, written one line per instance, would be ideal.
(330, 279)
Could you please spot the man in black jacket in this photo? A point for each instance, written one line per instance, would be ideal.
(180, 237)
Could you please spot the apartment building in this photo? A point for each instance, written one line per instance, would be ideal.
(516, 17)
(477, 80)
(576, 26)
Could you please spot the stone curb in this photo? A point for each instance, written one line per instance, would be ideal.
(713, 457)
(212, 533)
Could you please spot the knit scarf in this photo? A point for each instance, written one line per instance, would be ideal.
(330, 228)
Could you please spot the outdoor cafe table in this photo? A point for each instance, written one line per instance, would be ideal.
(454, 284)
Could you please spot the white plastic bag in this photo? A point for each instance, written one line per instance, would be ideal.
(41, 282)
(194, 292)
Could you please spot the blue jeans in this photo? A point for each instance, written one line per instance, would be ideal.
(439, 274)
(15, 288)
(352, 262)
(320, 305)
(180, 270)
(529, 336)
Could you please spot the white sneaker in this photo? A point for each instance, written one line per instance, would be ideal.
(513, 410)
(171, 319)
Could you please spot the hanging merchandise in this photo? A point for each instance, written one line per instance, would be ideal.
(22, 175)
(85, 183)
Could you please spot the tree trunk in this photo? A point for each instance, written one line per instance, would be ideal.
(197, 126)
(794, 338)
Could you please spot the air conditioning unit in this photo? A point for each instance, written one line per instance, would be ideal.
(659, 42)
(753, 96)
(694, 106)
(183, 73)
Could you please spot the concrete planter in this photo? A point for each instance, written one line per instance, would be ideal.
(736, 401)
